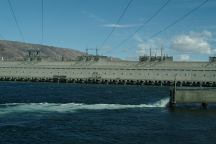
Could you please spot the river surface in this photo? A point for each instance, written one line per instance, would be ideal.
(37, 113)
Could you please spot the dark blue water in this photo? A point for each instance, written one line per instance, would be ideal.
(35, 113)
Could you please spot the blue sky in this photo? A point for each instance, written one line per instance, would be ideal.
(79, 24)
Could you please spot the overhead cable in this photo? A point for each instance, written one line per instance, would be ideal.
(118, 21)
(146, 22)
(42, 21)
(15, 19)
(179, 19)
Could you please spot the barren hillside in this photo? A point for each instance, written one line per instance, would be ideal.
(11, 50)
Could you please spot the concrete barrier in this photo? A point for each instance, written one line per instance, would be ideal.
(192, 95)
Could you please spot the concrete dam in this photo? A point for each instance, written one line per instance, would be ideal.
(197, 80)
(159, 71)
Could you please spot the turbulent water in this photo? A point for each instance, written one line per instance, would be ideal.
(72, 107)
(80, 114)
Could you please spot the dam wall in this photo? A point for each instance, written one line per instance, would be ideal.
(155, 73)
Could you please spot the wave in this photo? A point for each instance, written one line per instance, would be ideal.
(72, 107)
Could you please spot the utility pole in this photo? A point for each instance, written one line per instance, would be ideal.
(150, 54)
(161, 52)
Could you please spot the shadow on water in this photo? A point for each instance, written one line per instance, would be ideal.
(193, 110)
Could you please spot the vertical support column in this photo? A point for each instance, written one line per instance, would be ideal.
(172, 101)
(204, 105)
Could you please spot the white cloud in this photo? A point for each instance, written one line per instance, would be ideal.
(138, 38)
(119, 26)
(145, 46)
(93, 16)
(184, 57)
(193, 42)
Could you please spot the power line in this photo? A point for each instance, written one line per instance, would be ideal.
(42, 21)
(119, 19)
(15, 19)
(146, 22)
(179, 19)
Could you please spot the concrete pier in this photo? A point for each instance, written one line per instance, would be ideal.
(204, 96)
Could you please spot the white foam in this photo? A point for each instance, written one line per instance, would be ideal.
(71, 107)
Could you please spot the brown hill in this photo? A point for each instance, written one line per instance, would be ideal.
(11, 50)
